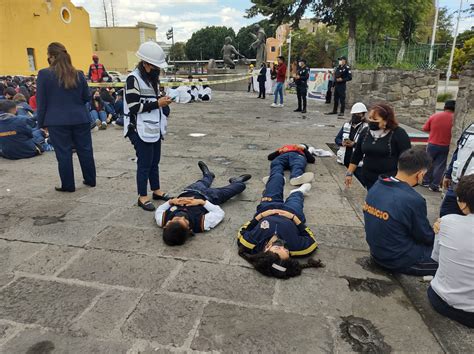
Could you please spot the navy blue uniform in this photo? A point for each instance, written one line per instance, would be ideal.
(397, 229)
(16, 137)
(302, 87)
(342, 72)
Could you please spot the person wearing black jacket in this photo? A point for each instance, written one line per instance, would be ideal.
(301, 81)
(379, 146)
(262, 78)
(342, 75)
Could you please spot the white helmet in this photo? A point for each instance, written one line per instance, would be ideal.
(152, 53)
(358, 107)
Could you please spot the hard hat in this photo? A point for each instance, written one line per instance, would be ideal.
(95, 56)
(275, 62)
(358, 107)
(251, 65)
(152, 53)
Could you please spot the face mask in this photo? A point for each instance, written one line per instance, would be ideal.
(374, 126)
(356, 119)
(182, 214)
(96, 61)
(49, 61)
(96, 98)
(340, 62)
(154, 73)
(280, 243)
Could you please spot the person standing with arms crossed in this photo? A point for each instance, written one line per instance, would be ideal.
(145, 120)
(62, 94)
(280, 78)
(342, 75)
(301, 81)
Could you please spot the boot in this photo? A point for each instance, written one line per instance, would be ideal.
(205, 170)
(240, 179)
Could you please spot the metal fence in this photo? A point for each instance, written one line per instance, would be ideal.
(416, 55)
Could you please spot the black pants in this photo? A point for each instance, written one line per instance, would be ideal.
(329, 92)
(63, 138)
(301, 93)
(464, 317)
(339, 97)
(261, 89)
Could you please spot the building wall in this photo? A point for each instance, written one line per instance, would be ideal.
(35, 24)
(273, 44)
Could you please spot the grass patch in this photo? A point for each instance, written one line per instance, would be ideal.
(443, 97)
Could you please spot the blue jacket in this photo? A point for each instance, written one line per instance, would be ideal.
(396, 225)
(16, 137)
(58, 106)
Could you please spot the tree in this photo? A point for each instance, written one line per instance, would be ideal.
(177, 51)
(461, 57)
(207, 42)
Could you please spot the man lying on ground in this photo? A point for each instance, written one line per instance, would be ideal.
(197, 208)
(397, 229)
(278, 232)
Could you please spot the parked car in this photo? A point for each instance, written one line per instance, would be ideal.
(117, 77)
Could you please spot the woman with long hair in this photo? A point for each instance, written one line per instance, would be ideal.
(62, 94)
(145, 120)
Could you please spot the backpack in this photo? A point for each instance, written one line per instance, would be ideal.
(464, 164)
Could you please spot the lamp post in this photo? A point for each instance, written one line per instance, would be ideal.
(448, 73)
(433, 35)
(289, 54)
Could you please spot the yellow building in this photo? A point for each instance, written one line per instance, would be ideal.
(28, 26)
(273, 49)
(116, 46)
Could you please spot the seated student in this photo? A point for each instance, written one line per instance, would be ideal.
(452, 290)
(205, 92)
(278, 232)
(22, 108)
(197, 208)
(98, 111)
(397, 229)
(294, 158)
(16, 133)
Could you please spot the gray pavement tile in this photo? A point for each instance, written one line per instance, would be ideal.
(340, 236)
(49, 260)
(225, 282)
(117, 268)
(232, 328)
(42, 302)
(13, 253)
(43, 341)
(108, 198)
(162, 318)
(132, 216)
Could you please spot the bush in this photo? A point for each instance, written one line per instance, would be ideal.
(443, 97)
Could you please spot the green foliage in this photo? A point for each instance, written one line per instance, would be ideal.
(443, 97)
(244, 39)
(208, 41)
(461, 57)
(177, 51)
(464, 36)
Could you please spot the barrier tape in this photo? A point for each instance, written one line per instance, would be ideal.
(173, 83)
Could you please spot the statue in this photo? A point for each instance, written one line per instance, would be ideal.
(260, 45)
(229, 51)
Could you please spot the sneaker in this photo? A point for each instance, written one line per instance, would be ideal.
(434, 189)
(103, 126)
(281, 105)
(305, 188)
(266, 178)
(98, 122)
(304, 178)
(273, 105)
(425, 185)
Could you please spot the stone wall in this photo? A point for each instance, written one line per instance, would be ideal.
(464, 114)
(411, 93)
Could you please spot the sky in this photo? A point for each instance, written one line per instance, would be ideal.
(187, 16)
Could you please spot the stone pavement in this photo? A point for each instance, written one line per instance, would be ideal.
(88, 272)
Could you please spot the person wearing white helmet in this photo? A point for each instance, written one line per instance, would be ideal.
(349, 134)
(146, 119)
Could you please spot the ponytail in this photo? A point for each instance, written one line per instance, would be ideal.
(61, 65)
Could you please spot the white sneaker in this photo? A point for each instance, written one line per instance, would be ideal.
(305, 188)
(274, 105)
(266, 178)
(304, 178)
(281, 105)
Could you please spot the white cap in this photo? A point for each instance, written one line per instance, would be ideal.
(152, 53)
(358, 107)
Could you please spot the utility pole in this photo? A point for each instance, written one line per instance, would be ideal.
(113, 12)
(170, 35)
(289, 54)
(105, 14)
(448, 73)
(433, 35)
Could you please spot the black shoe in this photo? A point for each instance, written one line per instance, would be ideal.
(88, 184)
(303, 111)
(297, 110)
(330, 113)
(148, 206)
(164, 197)
(61, 189)
(240, 179)
(205, 170)
(341, 114)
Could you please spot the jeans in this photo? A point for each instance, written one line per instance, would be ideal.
(273, 197)
(101, 115)
(301, 93)
(216, 196)
(339, 97)
(279, 91)
(425, 266)
(148, 158)
(293, 161)
(439, 155)
(443, 308)
(450, 204)
(63, 138)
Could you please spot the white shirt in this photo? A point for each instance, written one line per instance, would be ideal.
(214, 216)
(454, 251)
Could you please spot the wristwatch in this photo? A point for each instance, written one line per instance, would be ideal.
(349, 174)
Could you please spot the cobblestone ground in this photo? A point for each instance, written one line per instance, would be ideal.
(88, 272)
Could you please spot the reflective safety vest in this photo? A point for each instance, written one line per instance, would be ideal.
(97, 72)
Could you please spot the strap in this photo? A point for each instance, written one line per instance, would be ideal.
(466, 165)
(280, 212)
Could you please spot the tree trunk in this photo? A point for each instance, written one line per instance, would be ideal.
(401, 52)
(351, 50)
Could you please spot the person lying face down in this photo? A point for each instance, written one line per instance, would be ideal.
(277, 232)
(293, 157)
(197, 208)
